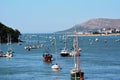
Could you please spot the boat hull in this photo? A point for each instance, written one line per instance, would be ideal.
(64, 55)
(47, 57)
(55, 67)
(77, 75)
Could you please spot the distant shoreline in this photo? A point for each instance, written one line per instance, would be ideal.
(118, 34)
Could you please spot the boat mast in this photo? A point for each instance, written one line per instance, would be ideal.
(55, 46)
(9, 41)
(0, 44)
(76, 48)
(77, 52)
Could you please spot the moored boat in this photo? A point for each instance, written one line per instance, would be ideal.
(47, 57)
(2, 54)
(76, 73)
(64, 53)
(55, 67)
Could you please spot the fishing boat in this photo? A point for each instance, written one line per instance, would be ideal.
(76, 73)
(47, 57)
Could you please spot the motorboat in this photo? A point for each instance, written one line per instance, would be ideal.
(47, 57)
(64, 53)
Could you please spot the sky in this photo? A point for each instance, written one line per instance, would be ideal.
(47, 16)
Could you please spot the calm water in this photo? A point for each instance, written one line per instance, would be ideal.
(99, 60)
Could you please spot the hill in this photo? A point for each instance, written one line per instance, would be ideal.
(5, 30)
(94, 25)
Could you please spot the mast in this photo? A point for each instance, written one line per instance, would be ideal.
(76, 73)
(0, 43)
(77, 51)
(9, 41)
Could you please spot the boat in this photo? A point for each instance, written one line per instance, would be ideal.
(47, 57)
(1, 52)
(64, 52)
(76, 73)
(73, 53)
(10, 50)
(55, 67)
(9, 54)
(96, 39)
(28, 47)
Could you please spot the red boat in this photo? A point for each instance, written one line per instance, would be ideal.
(47, 57)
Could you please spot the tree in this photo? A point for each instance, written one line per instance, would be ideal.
(5, 30)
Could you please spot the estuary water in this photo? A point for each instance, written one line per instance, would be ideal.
(99, 60)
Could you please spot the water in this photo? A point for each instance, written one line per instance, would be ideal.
(99, 60)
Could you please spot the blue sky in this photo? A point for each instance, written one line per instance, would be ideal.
(46, 16)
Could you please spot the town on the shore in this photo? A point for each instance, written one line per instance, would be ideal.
(101, 32)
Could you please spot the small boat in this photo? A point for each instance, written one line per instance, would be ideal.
(10, 51)
(9, 55)
(55, 67)
(118, 40)
(96, 39)
(47, 57)
(2, 54)
(64, 53)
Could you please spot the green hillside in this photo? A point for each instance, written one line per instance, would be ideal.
(5, 31)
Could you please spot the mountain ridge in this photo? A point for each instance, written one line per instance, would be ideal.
(93, 25)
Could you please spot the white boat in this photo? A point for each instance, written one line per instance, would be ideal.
(55, 67)
(96, 39)
(10, 51)
(64, 53)
(9, 55)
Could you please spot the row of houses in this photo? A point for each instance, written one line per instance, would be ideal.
(109, 30)
(102, 31)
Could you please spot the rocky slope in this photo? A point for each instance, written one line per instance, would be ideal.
(94, 24)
